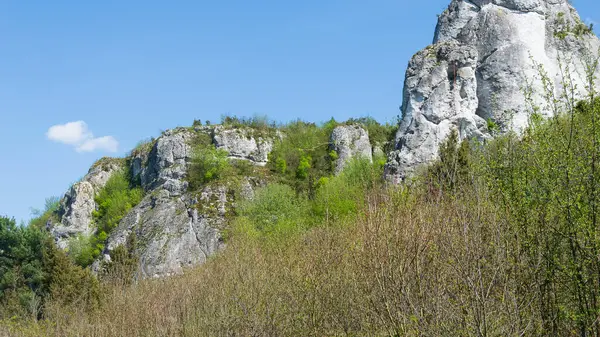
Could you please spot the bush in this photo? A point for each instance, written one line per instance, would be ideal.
(342, 196)
(22, 276)
(275, 210)
(208, 164)
(123, 264)
(302, 156)
(257, 122)
(114, 201)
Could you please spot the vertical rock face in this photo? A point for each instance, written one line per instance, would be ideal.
(176, 228)
(484, 53)
(170, 232)
(78, 203)
(350, 141)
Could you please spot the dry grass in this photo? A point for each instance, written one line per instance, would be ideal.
(407, 266)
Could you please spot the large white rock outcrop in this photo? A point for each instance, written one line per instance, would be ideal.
(350, 141)
(484, 54)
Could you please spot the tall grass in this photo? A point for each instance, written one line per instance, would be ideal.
(405, 266)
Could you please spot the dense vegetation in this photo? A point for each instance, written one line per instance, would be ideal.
(493, 239)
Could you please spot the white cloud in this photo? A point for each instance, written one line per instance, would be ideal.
(106, 143)
(78, 135)
(72, 133)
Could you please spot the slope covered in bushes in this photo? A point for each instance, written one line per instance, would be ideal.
(495, 239)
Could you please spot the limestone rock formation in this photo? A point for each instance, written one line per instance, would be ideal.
(350, 141)
(78, 203)
(485, 52)
(242, 144)
(174, 228)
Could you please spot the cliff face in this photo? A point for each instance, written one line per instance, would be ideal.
(484, 54)
(176, 226)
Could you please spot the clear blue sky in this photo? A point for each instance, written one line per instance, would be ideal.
(130, 69)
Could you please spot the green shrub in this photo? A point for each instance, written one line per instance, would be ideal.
(259, 123)
(123, 264)
(208, 164)
(50, 212)
(275, 210)
(453, 165)
(303, 167)
(23, 281)
(305, 152)
(114, 201)
(341, 196)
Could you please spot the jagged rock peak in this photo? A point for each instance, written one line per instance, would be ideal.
(484, 52)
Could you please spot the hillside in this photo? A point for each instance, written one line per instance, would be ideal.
(475, 215)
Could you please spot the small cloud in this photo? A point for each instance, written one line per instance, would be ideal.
(72, 133)
(106, 143)
(78, 135)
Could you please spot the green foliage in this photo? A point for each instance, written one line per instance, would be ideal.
(49, 212)
(280, 166)
(303, 167)
(123, 263)
(548, 183)
(452, 167)
(70, 287)
(114, 201)
(261, 124)
(22, 278)
(305, 151)
(208, 164)
(275, 210)
(342, 196)
(492, 126)
(33, 271)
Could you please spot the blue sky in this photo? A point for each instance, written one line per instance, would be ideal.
(122, 71)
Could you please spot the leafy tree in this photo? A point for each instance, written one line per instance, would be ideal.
(22, 278)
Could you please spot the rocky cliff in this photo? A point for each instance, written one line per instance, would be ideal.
(177, 226)
(484, 56)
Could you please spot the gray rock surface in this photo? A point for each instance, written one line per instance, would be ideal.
(78, 204)
(243, 144)
(176, 228)
(350, 141)
(166, 165)
(171, 233)
(484, 53)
